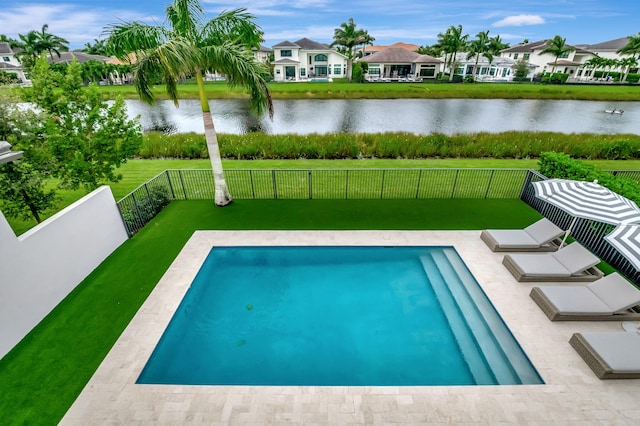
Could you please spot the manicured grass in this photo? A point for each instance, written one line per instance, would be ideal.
(41, 377)
(344, 90)
(136, 172)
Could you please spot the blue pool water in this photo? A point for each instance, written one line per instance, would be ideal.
(336, 316)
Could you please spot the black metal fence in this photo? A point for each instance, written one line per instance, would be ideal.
(141, 205)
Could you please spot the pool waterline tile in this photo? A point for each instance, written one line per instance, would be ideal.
(570, 383)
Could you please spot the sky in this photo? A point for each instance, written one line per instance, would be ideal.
(388, 21)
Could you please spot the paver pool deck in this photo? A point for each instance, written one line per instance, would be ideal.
(572, 394)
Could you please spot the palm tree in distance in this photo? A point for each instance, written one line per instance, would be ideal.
(51, 43)
(557, 47)
(631, 48)
(495, 46)
(192, 46)
(479, 47)
(348, 36)
(626, 64)
(28, 50)
(452, 42)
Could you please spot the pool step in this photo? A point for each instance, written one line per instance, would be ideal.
(518, 361)
(478, 365)
(503, 355)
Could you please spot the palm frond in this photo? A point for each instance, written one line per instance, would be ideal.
(169, 62)
(235, 26)
(133, 37)
(186, 18)
(241, 70)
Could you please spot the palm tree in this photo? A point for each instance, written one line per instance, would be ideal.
(479, 46)
(452, 42)
(628, 63)
(557, 47)
(631, 48)
(191, 46)
(495, 46)
(51, 43)
(27, 49)
(347, 37)
(595, 63)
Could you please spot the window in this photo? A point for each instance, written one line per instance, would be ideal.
(515, 55)
(337, 70)
(375, 71)
(285, 53)
(427, 72)
(525, 56)
(6, 58)
(303, 72)
(564, 55)
(320, 58)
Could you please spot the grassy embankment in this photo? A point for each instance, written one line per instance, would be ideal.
(339, 90)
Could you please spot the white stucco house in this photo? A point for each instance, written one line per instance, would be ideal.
(399, 64)
(572, 63)
(10, 64)
(532, 53)
(306, 60)
(262, 54)
(498, 69)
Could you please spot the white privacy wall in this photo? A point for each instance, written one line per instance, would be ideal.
(40, 268)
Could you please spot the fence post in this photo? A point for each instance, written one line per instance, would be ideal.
(455, 182)
(124, 222)
(419, 182)
(150, 198)
(173, 194)
(184, 190)
(273, 181)
(527, 181)
(346, 186)
(489, 184)
(382, 184)
(310, 185)
(253, 189)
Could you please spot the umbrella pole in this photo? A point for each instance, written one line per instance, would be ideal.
(566, 234)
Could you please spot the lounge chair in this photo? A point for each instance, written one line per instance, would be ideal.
(608, 299)
(610, 354)
(542, 235)
(570, 263)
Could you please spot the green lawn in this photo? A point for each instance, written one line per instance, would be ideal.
(136, 172)
(41, 377)
(344, 90)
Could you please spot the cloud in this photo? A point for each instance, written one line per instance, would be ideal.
(519, 20)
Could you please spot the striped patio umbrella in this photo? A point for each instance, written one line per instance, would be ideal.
(587, 200)
(626, 239)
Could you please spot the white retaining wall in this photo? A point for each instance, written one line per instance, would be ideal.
(40, 268)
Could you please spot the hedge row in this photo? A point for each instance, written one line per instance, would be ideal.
(562, 166)
(393, 145)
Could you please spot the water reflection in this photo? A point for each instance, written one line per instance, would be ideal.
(420, 116)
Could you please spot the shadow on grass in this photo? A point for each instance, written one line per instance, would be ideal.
(41, 377)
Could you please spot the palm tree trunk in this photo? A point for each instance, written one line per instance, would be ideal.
(222, 195)
(349, 69)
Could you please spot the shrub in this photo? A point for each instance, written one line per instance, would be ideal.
(633, 78)
(146, 206)
(560, 165)
(555, 78)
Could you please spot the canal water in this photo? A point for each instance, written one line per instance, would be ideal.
(419, 116)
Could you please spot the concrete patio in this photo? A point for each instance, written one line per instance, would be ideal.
(572, 393)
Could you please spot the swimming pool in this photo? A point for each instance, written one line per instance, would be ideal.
(336, 316)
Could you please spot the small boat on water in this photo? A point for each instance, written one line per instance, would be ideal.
(614, 111)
